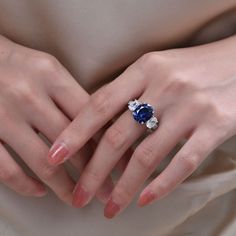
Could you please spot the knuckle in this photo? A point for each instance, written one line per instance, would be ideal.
(23, 92)
(215, 110)
(190, 162)
(100, 101)
(145, 157)
(122, 193)
(26, 95)
(115, 138)
(9, 175)
(215, 114)
(200, 101)
(163, 188)
(149, 61)
(46, 62)
(178, 83)
(218, 113)
(220, 119)
(48, 173)
(94, 176)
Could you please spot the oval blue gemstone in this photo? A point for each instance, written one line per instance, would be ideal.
(143, 113)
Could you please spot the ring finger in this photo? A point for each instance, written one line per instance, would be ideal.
(117, 139)
(146, 158)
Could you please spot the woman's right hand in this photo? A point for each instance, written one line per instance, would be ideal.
(37, 95)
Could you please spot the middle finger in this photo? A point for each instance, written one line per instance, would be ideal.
(115, 142)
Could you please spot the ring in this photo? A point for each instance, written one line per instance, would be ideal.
(143, 113)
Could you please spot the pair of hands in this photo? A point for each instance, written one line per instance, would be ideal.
(193, 91)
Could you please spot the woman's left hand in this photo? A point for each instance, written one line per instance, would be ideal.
(193, 91)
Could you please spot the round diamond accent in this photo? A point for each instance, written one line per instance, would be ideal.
(152, 123)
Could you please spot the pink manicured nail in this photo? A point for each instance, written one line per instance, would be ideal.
(146, 198)
(58, 153)
(111, 209)
(81, 196)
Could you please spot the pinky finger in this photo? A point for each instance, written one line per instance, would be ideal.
(185, 162)
(12, 175)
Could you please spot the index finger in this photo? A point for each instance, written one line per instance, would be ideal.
(102, 106)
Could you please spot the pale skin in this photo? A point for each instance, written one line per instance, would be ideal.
(193, 91)
(36, 94)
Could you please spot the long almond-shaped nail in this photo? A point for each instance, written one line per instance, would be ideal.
(111, 209)
(81, 196)
(146, 198)
(58, 153)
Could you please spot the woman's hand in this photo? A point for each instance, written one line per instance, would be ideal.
(193, 91)
(37, 95)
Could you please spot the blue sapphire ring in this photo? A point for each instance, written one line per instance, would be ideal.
(143, 113)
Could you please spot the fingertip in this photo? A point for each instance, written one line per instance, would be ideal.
(146, 198)
(111, 209)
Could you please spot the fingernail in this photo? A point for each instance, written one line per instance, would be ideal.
(58, 153)
(146, 198)
(81, 196)
(111, 209)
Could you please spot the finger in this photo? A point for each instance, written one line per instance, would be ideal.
(145, 159)
(50, 121)
(52, 124)
(81, 158)
(122, 163)
(12, 175)
(80, 162)
(113, 145)
(103, 105)
(57, 123)
(187, 160)
(69, 96)
(33, 151)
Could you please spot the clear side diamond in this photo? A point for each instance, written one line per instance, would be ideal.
(132, 105)
(152, 123)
